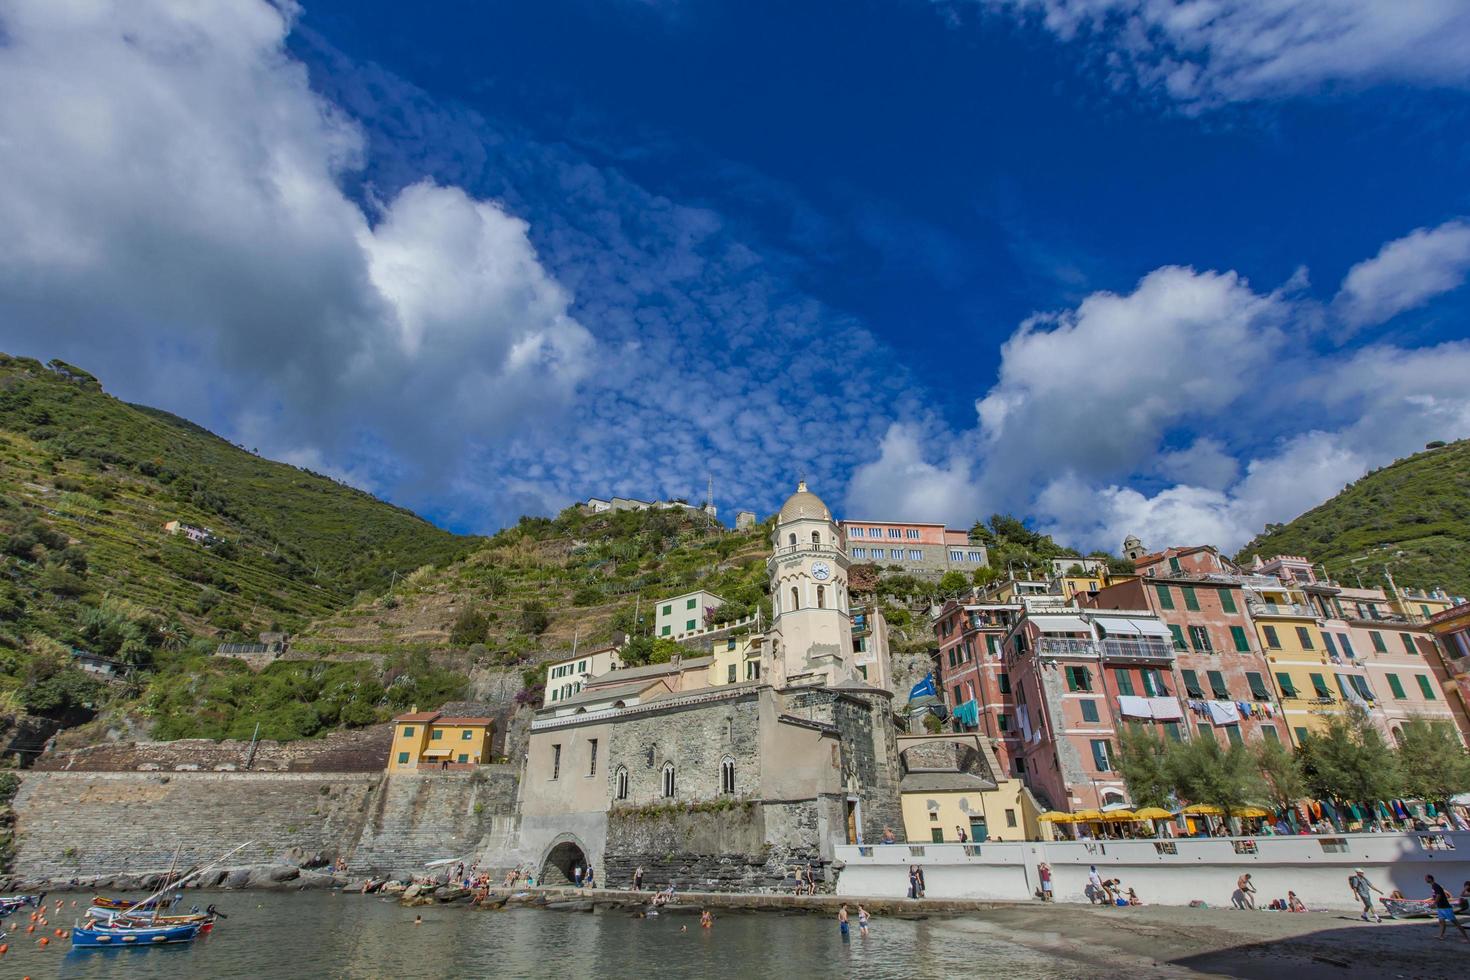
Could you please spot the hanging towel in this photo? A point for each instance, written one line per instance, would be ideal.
(1134, 707)
(1224, 713)
(1165, 709)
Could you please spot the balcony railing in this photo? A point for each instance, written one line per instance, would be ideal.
(1058, 647)
(1259, 608)
(1148, 649)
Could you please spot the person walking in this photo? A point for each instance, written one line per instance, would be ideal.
(842, 921)
(1094, 884)
(1247, 891)
(862, 921)
(1044, 870)
(577, 875)
(1364, 889)
(638, 879)
(1444, 909)
(960, 833)
(591, 881)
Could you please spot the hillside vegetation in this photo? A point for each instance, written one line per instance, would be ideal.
(87, 483)
(1412, 516)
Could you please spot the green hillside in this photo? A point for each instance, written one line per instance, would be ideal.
(1412, 517)
(87, 483)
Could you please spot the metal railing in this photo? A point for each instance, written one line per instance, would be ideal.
(1150, 649)
(1054, 646)
(1260, 608)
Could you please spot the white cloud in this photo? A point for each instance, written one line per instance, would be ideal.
(1201, 53)
(1405, 274)
(901, 485)
(1204, 462)
(173, 194)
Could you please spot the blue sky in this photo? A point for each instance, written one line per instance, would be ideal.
(1175, 269)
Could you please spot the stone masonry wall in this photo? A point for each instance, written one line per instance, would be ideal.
(711, 850)
(70, 824)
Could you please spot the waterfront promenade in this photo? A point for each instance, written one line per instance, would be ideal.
(1165, 872)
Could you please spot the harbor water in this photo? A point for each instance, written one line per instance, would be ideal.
(315, 934)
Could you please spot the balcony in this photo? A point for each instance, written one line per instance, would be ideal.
(1066, 649)
(1153, 650)
(1259, 608)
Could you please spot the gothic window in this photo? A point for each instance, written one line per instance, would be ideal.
(622, 782)
(727, 776)
(821, 597)
(795, 599)
(668, 780)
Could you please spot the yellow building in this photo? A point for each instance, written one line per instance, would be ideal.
(736, 659)
(1297, 655)
(429, 740)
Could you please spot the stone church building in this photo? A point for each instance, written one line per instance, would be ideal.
(723, 786)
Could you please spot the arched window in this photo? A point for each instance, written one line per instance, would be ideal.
(668, 781)
(727, 776)
(821, 597)
(793, 539)
(1112, 796)
(816, 537)
(622, 782)
(795, 599)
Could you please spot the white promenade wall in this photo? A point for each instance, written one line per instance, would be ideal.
(1166, 872)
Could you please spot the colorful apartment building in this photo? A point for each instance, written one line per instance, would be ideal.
(568, 675)
(684, 613)
(430, 740)
(1451, 630)
(921, 548)
(1219, 668)
(972, 668)
(1077, 676)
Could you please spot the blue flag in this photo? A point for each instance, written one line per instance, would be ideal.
(923, 688)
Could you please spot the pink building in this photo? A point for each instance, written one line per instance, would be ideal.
(917, 547)
(972, 667)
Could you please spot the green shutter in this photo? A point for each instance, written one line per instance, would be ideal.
(1301, 735)
(1232, 732)
(1125, 681)
(1178, 633)
(1396, 686)
(1425, 686)
(1191, 684)
(1191, 601)
(1305, 635)
(1377, 639)
(1227, 601)
(1089, 711)
(1409, 644)
(1258, 685)
(1166, 601)
(1272, 640)
(1272, 735)
(1004, 680)
(1100, 755)
(1171, 729)
(1319, 684)
(1217, 684)
(1237, 633)
(1283, 681)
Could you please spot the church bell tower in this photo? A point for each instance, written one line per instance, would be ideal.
(811, 631)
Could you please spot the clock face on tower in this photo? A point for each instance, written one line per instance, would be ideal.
(821, 571)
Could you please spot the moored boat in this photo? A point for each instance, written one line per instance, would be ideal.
(101, 935)
(119, 904)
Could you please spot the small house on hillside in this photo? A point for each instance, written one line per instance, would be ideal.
(434, 740)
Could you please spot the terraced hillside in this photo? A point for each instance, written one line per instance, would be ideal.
(1412, 517)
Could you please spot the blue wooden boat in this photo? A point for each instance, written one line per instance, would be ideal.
(103, 936)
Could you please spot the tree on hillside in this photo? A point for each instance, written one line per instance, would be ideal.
(643, 650)
(1281, 773)
(1347, 760)
(1143, 761)
(533, 619)
(470, 627)
(952, 583)
(1433, 765)
(1203, 772)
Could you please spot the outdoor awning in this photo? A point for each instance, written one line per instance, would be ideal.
(1143, 627)
(1061, 624)
(437, 751)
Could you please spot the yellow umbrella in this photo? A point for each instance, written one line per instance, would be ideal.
(1204, 810)
(1056, 816)
(1119, 815)
(1153, 813)
(1253, 811)
(1082, 816)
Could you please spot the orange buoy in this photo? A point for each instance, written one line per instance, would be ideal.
(4, 948)
(30, 928)
(58, 931)
(45, 941)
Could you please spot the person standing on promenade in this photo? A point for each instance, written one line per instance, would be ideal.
(842, 921)
(960, 833)
(1363, 888)
(1044, 870)
(913, 881)
(638, 879)
(919, 880)
(577, 875)
(1094, 884)
(1444, 909)
(591, 881)
(862, 921)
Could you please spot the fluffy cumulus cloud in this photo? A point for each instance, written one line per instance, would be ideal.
(1194, 409)
(1405, 274)
(175, 218)
(1205, 52)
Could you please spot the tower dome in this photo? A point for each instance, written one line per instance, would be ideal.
(803, 503)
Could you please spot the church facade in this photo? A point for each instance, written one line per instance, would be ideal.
(723, 786)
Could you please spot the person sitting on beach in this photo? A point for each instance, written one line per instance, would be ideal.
(1133, 898)
(1294, 904)
(1464, 905)
(1397, 893)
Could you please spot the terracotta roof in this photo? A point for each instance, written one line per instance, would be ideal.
(465, 721)
(418, 716)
